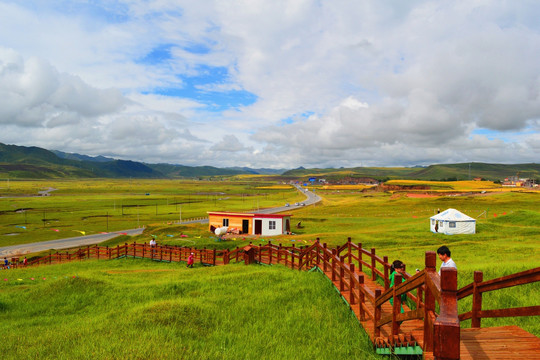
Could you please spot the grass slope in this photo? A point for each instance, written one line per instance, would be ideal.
(138, 309)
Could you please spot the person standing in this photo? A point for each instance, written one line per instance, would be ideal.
(445, 256)
(25, 261)
(190, 260)
(397, 267)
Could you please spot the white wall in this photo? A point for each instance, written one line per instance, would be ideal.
(266, 231)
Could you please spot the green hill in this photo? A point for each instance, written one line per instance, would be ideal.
(464, 171)
(21, 162)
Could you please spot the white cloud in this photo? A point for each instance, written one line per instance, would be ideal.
(336, 83)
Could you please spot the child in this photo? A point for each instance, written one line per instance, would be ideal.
(397, 267)
(190, 260)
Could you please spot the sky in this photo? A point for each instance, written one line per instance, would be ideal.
(273, 84)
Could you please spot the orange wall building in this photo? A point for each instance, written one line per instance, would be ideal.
(251, 224)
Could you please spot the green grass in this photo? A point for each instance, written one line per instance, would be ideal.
(397, 226)
(139, 309)
(95, 206)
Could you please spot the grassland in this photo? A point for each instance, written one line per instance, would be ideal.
(94, 206)
(507, 239)
(139, 309)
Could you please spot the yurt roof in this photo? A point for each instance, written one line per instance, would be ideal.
(452, 215)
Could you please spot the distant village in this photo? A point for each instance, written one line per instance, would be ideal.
(512, 181)
(516, 181)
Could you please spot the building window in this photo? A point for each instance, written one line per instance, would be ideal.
(225, 222)
(452, 224)
(432, 222)
(272, 225)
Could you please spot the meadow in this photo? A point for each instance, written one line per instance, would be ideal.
(507, 241)
(84, 207)
(139, 309)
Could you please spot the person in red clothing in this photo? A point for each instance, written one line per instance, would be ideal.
(190, 260)
(25, 261)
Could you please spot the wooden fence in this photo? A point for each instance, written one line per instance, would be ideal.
(351, 267)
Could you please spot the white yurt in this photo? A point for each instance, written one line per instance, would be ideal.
(451, 222)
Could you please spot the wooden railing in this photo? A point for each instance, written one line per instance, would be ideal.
(479, 287)
(347, 266)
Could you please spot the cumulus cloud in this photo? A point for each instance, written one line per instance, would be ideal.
(33, 93)
(367, 83)
(229, 143)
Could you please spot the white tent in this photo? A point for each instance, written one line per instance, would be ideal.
(451, 222)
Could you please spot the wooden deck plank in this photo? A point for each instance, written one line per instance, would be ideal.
(506, 342)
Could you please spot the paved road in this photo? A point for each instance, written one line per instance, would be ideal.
(21, 249)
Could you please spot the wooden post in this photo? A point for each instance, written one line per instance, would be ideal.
(447, 332)
(117, 251)
(351, 283)
(377, 315)
(360, 257)
(325, 260)
(279, 254)
(341, 273)
(292, 256)
(214, 257)
(88, 252)
(477, 300)
(109, 252)
(429, 303)
(373, 265)
(143, 249)
(386, 274)
(226, 257)
(126, 248)
(334, 254)
(270, 253)
(361, 298)
(349, 249)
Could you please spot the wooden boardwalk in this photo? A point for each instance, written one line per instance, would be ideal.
(500, 343)
(417, 331)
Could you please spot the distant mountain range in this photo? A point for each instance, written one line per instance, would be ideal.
(21, 162)
(37, 163)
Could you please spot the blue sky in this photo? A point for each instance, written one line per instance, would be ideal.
(263, 84)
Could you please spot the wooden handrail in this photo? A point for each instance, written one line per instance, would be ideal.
(439, 330)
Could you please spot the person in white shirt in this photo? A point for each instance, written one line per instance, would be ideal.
(444, 255)
(153, 243)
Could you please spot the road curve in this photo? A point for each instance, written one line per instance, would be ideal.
(21, 249)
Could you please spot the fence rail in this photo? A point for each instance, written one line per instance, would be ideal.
(347, 266)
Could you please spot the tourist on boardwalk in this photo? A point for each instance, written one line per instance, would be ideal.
(397, 267)
(153, 243)
(444, 255)
(25, 261)
(6, 263)
(190, 260)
